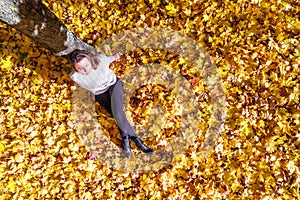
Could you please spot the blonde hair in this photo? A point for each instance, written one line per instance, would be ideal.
(77, 55)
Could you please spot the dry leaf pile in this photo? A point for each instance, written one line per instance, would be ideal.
(255, 45)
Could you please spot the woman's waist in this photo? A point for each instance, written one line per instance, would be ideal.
(104, 85)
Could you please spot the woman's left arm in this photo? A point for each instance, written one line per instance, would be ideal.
(116, 55)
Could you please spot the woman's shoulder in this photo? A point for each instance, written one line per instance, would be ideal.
(73, 74)
(106, 57)
(105, 61)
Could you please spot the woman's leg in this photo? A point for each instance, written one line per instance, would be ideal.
(113, 102)
(116, 93)
(105, 101)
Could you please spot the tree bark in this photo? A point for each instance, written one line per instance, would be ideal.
(35, 20)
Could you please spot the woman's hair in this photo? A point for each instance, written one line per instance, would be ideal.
(77, 55)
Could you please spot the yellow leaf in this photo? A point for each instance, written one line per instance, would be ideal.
(171, 9)
(297, 25)
(2, 147)
(19, 158)
(6, 63)
(11, 185)
(281, 37)
(6, 92)
(261, 123)
(205, 17)
(291, 166)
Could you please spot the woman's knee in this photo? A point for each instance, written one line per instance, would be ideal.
(120, 119)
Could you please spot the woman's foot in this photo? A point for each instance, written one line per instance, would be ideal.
(139, 143)
(126, 146)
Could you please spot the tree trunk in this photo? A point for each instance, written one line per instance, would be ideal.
(35, 20)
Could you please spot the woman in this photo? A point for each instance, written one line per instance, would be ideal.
(93, 74)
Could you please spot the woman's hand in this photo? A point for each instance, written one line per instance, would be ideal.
(116, 55)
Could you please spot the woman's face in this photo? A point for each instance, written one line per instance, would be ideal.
(84, 66)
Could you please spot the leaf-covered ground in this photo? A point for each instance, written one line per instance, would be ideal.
(255, 45)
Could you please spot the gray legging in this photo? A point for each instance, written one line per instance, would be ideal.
(113, 101)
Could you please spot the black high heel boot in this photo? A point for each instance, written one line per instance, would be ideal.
(140, 144)
(126, 146)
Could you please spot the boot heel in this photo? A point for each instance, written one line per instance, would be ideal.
(126, 146)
